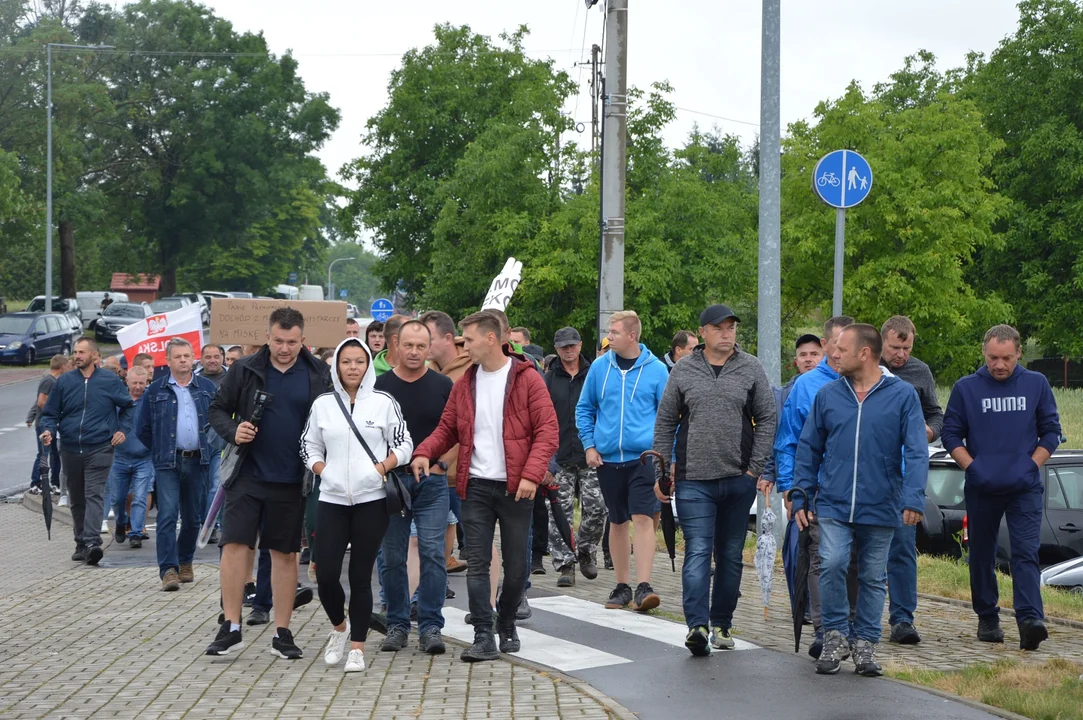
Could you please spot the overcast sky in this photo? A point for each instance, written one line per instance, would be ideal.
(709, 50)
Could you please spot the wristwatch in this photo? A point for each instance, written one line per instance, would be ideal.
(442, 465)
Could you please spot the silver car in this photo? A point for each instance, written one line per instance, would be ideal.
(1067, 575)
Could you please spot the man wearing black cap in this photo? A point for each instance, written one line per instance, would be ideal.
(719, 404)
(565, 382)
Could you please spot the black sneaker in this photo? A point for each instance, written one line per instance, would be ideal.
(836, 649)
(302, 597)
(79, 555)
(213, 539)
(587, 566)
(225, 641)
(567, 576)
(621, 597)
(306, 557)
(119, 535)
(249, 594)
(396, 640)
(430, 642)
(697, 642)
(989, 629)
(816, 648)
(904, 633)
(258, 617)
(449, 594)
(135, 543)
(94, 555)
(484, 647)
(646, 598)
(283, 646)
(537, 567)
(509, 640)
(523, 612)
(1032, 632)
(607, 561)
(865, 659)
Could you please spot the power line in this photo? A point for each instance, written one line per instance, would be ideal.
(203, 53)
(716, 117)
(579, 80)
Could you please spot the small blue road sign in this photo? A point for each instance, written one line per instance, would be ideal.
(291, 278)
(842, 179)
(342, 293)
(382, 309)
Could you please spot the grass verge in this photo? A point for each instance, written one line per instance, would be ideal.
(1050, 691)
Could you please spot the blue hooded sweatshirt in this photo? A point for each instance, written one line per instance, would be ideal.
(616, 409)
(792, 418)
(850, 456)
(1002, 423)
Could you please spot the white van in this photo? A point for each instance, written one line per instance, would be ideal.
(90, 302)
(310, 292)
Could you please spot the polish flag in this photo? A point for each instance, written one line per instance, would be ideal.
(152, 334)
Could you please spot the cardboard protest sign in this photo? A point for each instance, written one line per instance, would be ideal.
(503, 286)
(238, 321)
(151, 335)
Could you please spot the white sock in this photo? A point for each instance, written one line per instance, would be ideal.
(234, 627)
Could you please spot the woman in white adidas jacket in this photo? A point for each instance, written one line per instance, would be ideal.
(352, 509)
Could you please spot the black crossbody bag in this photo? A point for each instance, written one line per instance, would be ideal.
(398, 497)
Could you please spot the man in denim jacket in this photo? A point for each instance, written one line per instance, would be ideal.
(172, 423)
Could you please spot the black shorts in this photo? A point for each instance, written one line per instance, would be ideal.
(628, 489)
(272, 512)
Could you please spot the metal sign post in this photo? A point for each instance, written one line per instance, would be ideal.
(842, 179)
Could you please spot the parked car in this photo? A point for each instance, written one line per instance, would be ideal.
(205, 307)
(940, 529)
(90, 303)
(169, 304)
(117, 316)
(61, 305)
(26, 337)
(352, 311)
(1067, 575)
(240, 294)
(310, 292)
(1061, 536)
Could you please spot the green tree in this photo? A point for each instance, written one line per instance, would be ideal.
(1029, 91)
(910, 246)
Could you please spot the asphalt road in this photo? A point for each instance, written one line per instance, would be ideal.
(17, 446)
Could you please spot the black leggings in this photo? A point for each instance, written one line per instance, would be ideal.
(362, 527)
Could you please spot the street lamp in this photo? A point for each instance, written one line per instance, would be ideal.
(49, 163)
(330, 287)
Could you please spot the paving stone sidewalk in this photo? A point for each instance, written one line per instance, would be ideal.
(83, 642)
(947, 630)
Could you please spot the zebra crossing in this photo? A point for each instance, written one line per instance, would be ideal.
(570, 635)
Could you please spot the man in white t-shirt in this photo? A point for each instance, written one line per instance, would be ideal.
(502, 397)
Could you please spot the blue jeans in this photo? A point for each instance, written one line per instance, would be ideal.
(902, 575)
(181, 493)
(54, 463)
(837, 540)
(714, 517)
(264, 600)
(429, 514)
(135, 476)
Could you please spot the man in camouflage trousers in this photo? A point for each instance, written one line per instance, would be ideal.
(565, 381)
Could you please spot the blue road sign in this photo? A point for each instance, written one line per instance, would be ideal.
(342, 293)
(842, 179)
(382, 309)
(291, 278)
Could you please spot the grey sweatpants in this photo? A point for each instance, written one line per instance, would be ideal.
(87, 478)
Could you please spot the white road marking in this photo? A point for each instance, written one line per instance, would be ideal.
(647, 626)
(537, 647)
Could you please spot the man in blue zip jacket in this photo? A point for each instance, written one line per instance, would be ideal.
(861, 430)
(615, 416)
(84, 408)
(1007, 418)
(173, 417)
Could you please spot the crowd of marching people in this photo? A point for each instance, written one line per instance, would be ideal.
(419, 437)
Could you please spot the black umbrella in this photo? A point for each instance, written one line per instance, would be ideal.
(669, 523)
(551, 493)
(800, 579)
(46, 494)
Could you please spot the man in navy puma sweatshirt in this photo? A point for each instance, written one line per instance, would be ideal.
(1007, 418)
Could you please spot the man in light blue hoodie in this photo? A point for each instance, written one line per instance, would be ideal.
(615, 416)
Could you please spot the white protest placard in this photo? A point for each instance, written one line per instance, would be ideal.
(503, 286)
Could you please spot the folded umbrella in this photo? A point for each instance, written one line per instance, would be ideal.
(669, 523)
(46, 493)
(800, 579)
(551, 492)
(765, 553)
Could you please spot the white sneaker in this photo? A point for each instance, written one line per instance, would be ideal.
(336, 646)
(105, 527)
(312, 573)
(355, 662)
(63, 502)
(111, 515)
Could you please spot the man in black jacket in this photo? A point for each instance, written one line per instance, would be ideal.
(565, 382)
(263, 481)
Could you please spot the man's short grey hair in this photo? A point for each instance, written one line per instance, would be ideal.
(176, 342)
(1003, 333)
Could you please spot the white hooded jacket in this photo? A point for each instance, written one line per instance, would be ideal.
(349, 476)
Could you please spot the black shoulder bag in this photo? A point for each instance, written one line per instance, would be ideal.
(398, 496)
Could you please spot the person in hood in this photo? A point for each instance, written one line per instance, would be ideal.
(861, 430)
(388, 358)
(684, 342)
(1001, 426)
(353, 499)
(615, 415)
(500, 415)
(795, 409)
(719, 405)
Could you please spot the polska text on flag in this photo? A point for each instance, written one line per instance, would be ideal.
(152, 334)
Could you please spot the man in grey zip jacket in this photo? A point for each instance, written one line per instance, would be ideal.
(720, 406)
